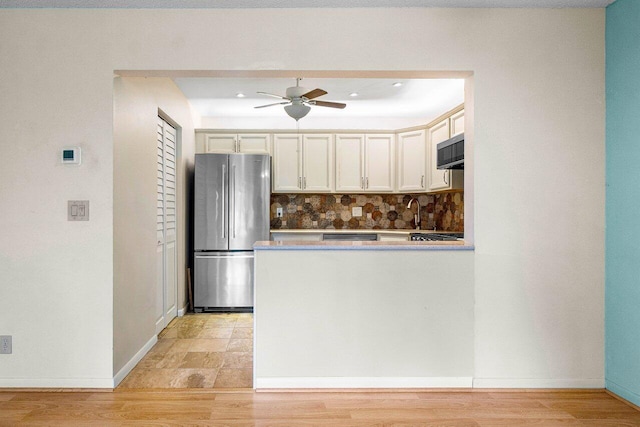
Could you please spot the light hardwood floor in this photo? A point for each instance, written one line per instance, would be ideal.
(214, 408)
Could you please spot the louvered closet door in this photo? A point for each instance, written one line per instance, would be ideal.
(167, 283)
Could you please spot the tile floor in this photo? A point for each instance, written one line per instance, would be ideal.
(199, 351)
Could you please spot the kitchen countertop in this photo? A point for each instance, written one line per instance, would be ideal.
(458, 245)
(356, 231)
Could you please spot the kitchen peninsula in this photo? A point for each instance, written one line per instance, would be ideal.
(363, 314)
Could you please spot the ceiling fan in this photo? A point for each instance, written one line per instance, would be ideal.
(299, 99)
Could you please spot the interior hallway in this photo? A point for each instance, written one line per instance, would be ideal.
(199, 351)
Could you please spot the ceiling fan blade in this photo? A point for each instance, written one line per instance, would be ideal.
(271, 105)
(275, 96)
(329, 104)
(314, 93)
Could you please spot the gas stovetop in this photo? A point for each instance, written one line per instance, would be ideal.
(426, 237)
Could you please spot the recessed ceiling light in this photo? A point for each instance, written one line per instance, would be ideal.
(397, 84)
(353, 94)
(240, 95)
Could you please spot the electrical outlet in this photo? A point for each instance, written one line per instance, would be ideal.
(279, 212)
(5, 344)
(356, 211)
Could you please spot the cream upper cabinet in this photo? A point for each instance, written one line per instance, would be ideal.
(302, 163)
(220, 143)
(457, 123)
(236, 143)
(287, 163)
(444, 179)
(412, 161)
(349, 162)
(317, 163)
(438, 178)
(379, 163)
(259, 143)
(365, 163)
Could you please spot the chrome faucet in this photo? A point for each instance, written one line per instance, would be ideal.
(416, 217)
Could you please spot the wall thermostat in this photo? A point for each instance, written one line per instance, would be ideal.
(71, 155)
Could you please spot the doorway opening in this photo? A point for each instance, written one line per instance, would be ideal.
(172, 351)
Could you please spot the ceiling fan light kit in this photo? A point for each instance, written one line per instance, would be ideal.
(297, 111)
(299, 101)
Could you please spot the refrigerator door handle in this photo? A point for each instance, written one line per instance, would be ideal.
(224, 228)
(233, 191)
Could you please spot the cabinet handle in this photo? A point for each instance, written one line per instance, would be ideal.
(362, 182)
(444, 177)
(300, 182)
(367, 182)
(422, 182)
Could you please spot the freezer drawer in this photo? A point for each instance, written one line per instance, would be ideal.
(223, 280)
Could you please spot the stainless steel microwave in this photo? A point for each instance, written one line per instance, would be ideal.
(451, 153)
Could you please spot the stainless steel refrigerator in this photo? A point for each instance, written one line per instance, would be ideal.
(231, 213)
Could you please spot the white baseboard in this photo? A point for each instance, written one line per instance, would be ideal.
(538, 383)
(363, 382)
(182, 311)
(56, 383)
(122, 373)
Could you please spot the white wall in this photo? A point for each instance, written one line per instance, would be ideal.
(136, 104)
(539, 153)
(363, 319)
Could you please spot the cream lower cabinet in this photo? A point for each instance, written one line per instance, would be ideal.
(412, 161)
(235, 143)
(365, 162)
(444, 179)
(303, 163)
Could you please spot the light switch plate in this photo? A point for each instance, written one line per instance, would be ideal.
(78, 210)
(356, 211)
(279, 212)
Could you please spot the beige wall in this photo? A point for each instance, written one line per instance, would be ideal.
(538, 146)
(136, 104)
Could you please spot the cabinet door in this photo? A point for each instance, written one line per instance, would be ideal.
(254, 143)
(438, 179)
(220, 143)
(287, 163)
(317, 163)
(457, 123)
(412, 162)
(379, 163)
(349, 162)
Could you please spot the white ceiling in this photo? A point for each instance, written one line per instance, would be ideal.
(417, 101)
(242, 4)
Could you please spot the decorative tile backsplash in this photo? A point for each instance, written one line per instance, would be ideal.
(379, 211)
